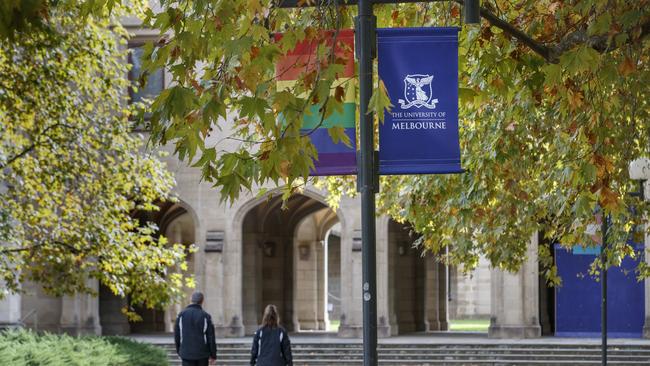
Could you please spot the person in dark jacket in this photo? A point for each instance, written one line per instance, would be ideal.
(271, 345)
(194, 334)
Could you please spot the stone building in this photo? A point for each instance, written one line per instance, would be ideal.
(306, 259)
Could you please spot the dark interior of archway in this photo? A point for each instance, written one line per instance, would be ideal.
(267, 239)
(113, 321)
(546, 294)
(409, 274)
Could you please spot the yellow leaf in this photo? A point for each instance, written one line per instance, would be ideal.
(285, 166)
(626, 67)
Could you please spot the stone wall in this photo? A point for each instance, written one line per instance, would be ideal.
(334, 277)
(470, 292)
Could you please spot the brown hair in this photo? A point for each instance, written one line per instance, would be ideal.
(271, 318)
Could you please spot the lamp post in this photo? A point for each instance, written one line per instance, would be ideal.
(603, 286)
(639, 170)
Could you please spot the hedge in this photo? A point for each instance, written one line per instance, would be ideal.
(26, 348)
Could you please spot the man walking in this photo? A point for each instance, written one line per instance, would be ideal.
(194, 334)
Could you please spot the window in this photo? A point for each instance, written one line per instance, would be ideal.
(155, 81)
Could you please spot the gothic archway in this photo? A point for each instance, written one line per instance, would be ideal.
(284, 262)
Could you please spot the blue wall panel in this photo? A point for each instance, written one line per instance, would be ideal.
(578, 299)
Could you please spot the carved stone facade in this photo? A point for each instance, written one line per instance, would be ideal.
(254, 252)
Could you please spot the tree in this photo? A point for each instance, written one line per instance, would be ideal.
(553, 108)
(72, 173)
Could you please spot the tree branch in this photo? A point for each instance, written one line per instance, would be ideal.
(549, 53)
(552, 54)
(20, 249)
(600, 43)
(508, 28)
(30, 147)
(70, 247)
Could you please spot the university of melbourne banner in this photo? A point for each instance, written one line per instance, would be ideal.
(419, 67)
(333, 159)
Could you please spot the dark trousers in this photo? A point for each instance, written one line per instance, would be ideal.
(203, 362)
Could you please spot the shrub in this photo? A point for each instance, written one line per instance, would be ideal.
(26, 348)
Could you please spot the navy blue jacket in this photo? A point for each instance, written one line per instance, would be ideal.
(271, 347)
(194, 334)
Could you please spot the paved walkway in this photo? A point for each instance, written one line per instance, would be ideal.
(416, 338)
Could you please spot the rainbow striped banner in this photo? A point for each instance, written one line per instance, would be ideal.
(333, 158)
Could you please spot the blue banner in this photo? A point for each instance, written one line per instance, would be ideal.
(578, 300)
(419, 67)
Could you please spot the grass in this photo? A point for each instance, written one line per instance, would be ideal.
(26, 348)
(334, 326)
(469, 325)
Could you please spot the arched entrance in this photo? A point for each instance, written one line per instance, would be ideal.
(285, 262)
(417, 285)
(175, 222)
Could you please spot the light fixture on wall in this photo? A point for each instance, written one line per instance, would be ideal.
(214, 241)
(640, 169)
(356, 241)
(269, 249)
(303, 252)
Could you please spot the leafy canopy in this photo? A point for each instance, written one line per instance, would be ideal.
(554, 106)
(71, 172)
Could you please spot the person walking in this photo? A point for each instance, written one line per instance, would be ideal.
(271, 345)
(194, 334)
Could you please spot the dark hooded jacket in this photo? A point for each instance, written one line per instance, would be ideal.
(194, 334)
(271, 347)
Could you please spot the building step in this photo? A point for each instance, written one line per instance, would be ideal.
(493, 362)
(441, 354)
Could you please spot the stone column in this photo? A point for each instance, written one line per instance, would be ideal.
(321, 272)
(232, 325)
(211, 246)
(10, 305)
(70, 314)
(306, 286)
(431, 293)
(351, 307)
(443, 318)
(80, 313)
(515, 299)
(646, 325)
(174, 234)
(10, 311)
(383, 279)
(392, 287)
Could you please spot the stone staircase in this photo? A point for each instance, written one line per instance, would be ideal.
(440, 354)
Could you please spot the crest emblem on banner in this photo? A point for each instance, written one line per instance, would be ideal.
(417, 92)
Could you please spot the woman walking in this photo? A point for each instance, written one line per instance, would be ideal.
(271, 345)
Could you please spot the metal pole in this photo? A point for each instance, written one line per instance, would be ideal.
(642, 189)
(366, 49)
(603, 286)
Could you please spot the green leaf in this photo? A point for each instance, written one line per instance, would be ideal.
(553, 75)
(380, 101)
(338, 134)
